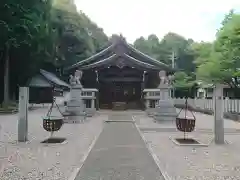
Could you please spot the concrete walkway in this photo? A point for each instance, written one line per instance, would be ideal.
(119, 153)
(211, 162)
(34, 160)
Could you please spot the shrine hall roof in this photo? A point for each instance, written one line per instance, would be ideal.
(120, 53)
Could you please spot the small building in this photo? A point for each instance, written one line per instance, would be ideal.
(45, 85)
(120, 73)
(206, 91)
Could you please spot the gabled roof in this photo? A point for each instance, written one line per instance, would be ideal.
(121, 52)
(39, 81)
(46, 79)
(53, 79)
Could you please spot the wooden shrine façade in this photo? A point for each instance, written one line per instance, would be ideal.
(120, 73)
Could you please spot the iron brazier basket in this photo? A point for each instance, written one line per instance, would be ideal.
(53, 123)
(185, 124)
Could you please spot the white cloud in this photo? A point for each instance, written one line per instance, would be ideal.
(134, 18)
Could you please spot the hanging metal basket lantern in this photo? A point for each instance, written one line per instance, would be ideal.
(185, 124)
(52, 123)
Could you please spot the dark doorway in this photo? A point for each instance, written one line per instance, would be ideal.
(121, 86)
(128, 93)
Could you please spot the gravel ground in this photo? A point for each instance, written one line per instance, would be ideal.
(34, 160)
(214, 162)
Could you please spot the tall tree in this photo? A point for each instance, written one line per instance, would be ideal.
(172, 49)
(77, 36)
(223, 65)
(38, 33)
(22, 23)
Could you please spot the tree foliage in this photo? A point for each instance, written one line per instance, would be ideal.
(171, 46)
(210, 62)
(222, 64)
(42, 33)
(52, 34)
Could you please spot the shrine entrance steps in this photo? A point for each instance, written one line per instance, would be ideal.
(121, 106)
(119, 153)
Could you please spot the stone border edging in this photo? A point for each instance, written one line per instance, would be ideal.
(154, 156)
(190, 145)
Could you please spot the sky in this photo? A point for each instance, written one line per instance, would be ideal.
(196, 19)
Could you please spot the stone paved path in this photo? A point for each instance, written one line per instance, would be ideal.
(212, 162)
(119, 154)
(36, 161)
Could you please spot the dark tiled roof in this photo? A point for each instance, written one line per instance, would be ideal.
(53, 79)
(39, 81)
(121, 48)
(47, 79)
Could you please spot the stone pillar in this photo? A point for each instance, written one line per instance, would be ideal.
(93, 104)
(75, 106)
(23, 114)
(147, 104)
(165, 111)
(218, 115)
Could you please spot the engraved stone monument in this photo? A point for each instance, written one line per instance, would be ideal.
(75, 109)
(165, 110)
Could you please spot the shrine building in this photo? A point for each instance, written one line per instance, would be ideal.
(120, 72)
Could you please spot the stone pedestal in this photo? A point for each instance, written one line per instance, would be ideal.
(165, 110)
(75, 109)
(92, 110)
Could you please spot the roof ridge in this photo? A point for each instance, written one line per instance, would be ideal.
(91, 57)
(53, 78)
(145, 55)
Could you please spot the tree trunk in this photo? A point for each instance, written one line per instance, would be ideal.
(6, 78)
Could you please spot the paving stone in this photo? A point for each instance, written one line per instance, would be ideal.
(119, 153)
(34, 160)
(213, 162)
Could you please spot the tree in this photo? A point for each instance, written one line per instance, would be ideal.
(163, 51)
(37, 34)
(223, 65)
(182, 80)
(201, 52)
(184, 84)
(173, 42)
(24, 29)
(77, 36)
(149, 46)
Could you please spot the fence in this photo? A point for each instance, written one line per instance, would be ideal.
(229, 105)
(88, 96)
(152, 96)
